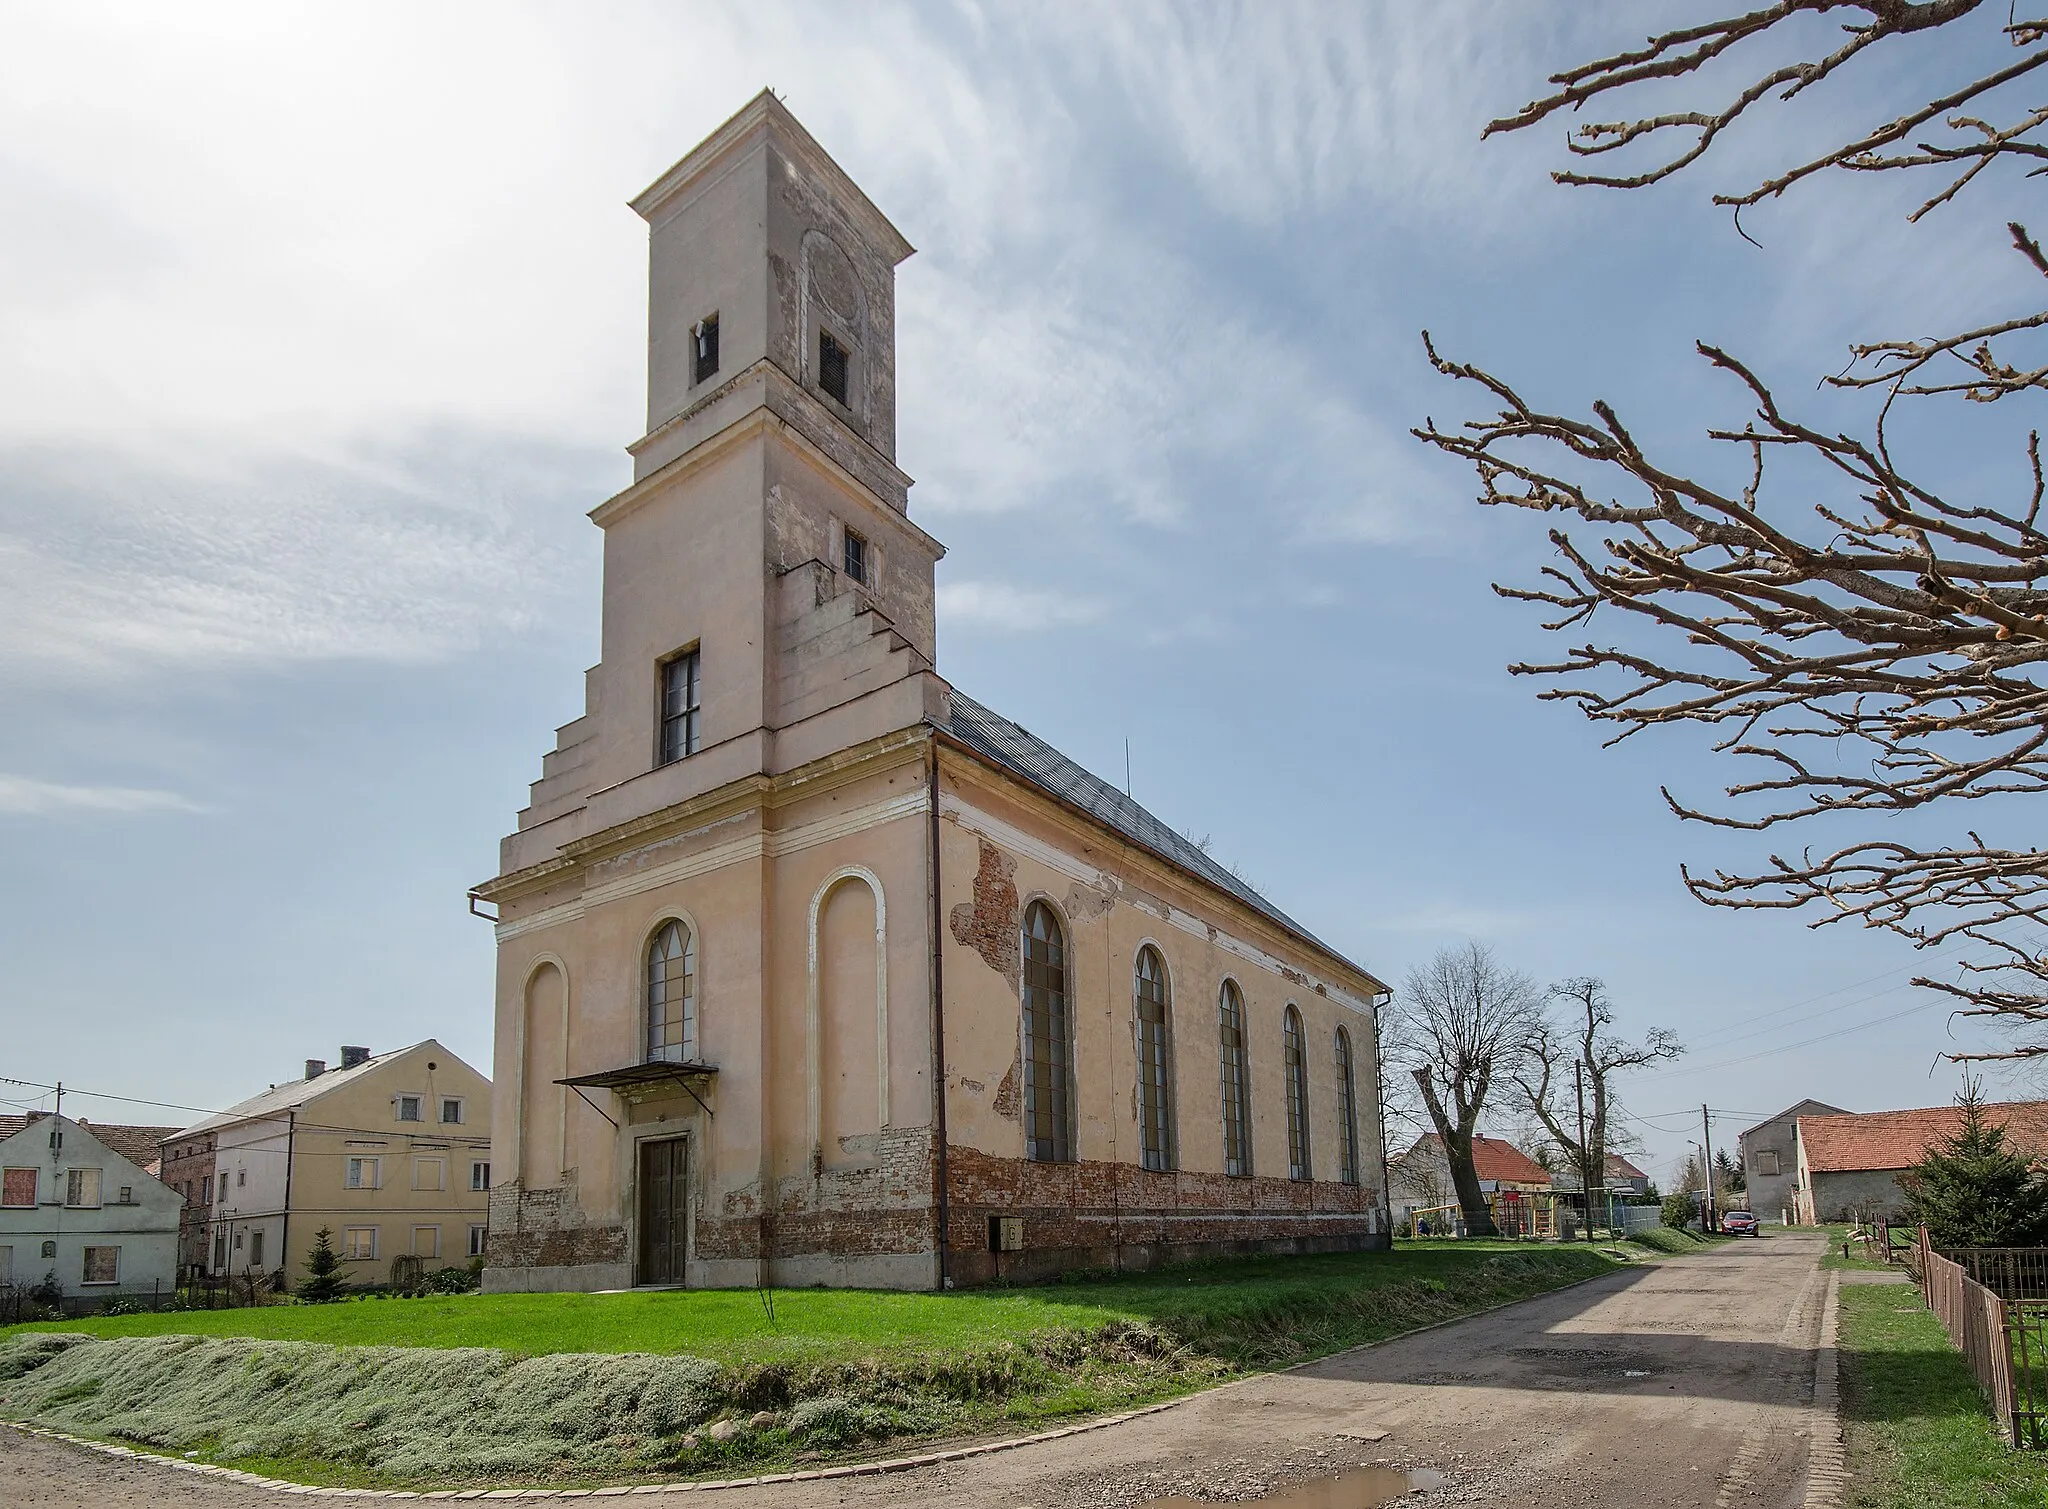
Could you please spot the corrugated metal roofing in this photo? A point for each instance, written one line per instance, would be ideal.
(1036, 762)
(293, 1094)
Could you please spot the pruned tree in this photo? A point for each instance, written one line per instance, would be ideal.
(1572, 1051)
(1456, 1028)
(1873, 640)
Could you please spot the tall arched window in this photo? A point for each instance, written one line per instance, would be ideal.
(1155, 1091)
(1294, 1063)
(1237, 1142)
(1347, 1112)
(672, 996)
(1048, 1040)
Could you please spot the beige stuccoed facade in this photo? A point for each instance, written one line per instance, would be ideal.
(813, 970)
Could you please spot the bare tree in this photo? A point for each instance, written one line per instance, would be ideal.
(1570, 1060)
(1456, 1028)
(1875, 642)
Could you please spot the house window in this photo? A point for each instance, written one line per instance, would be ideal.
(429, 1173)
(1237, 1142)
(18, 1186)
(83, 1188)
(359, 1242)
(1347, 1112)
(832, 367)
(220, 1251)
(255, 1249)
(362, 1173)
(679, 706)
(206, 1190)
(49, 1249)
(102, 1265)
(241, 1177)
(127, 1194)
(408, 1108)
(451, 1110)
(854, 556)
(1766, 1161)
(479, 1176)
(223, 1184)
(238, 1240)
(426, 1241)
(672, 996)
(1048, 1039)
(1294, 1067)
(704, 336)
(476, 1240)
(1155, 1091)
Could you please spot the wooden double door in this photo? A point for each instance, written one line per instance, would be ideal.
(664, 1210)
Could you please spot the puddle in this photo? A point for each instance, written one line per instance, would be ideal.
(1363, 1488)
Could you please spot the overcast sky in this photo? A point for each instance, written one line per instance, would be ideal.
(321, 328)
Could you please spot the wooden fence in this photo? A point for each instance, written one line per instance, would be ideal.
(2004, 1340)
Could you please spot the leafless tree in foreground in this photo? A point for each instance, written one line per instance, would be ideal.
(1456, 1027)
(1875, 644)
(1572, 1050)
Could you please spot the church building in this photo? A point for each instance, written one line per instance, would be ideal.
(814, 970)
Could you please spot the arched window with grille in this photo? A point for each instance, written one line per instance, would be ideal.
(1155, 1056)
(672, 995)
(1347, 1112)
(1237, 1141)
(1048, 1040)
(1294, 1064)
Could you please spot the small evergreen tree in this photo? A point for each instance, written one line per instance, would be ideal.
(323, 1270)
(1971, 1190)
(1728, 1174)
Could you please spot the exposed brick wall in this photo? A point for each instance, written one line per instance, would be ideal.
(1094, 1214)
(989, 924)
(544, 1228)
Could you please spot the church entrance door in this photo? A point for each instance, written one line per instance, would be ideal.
(664, 1193)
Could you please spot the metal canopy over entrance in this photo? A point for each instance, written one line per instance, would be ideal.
(638, 1076)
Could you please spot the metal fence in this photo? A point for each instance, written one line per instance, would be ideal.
(2008, 1272)
(2005, 1341)
(20, 1302)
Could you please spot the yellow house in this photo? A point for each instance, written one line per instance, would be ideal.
(390, 1152)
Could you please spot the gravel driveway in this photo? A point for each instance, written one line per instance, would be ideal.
(1687, 1383)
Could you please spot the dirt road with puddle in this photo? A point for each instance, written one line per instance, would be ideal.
(1691, 1382)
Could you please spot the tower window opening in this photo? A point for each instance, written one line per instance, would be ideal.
(855, 556)
(705, 356)
(679, 707)
(832, 365)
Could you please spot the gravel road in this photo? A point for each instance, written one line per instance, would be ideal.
(1686, 1383)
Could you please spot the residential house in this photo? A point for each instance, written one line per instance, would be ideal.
(1518, 1189)
(187, 1164)
(81, 1217)
(390, 1152)
(813, 969)
(1847, 1167)
(1770, 1161)
(1623, 1177)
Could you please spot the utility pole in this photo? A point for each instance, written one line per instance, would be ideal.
(1707, 1132)
(1585, 1157)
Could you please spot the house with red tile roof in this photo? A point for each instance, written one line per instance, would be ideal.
(135, 1143)
(1420, 1179)
(1848, 1167)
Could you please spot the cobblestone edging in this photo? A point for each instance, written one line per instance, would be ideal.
(851, 1470)
(1827, 1472)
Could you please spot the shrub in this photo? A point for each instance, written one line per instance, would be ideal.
(1679, 1211)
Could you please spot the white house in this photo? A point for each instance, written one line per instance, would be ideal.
(77, 1215)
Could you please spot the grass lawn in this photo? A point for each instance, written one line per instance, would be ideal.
(1251, 1312)
(1919, 1436)
(1837, 1235)
(533, 1388)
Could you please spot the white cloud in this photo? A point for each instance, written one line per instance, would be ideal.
(1000, 606)
(22, 796)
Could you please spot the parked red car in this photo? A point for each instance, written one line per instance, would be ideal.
(1738, 1223)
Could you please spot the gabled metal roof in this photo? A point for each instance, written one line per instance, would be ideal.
(1037, 763)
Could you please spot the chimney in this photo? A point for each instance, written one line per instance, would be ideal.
(315, 1067)
(350, 1057)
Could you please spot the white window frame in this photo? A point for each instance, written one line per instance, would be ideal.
(74, 1179)
(479, 1176)
(85, 1265)
(461, 1110)
(419, 1108)
(439, 1167)
(353, 1175)
(348, 1243)
(478, 1235)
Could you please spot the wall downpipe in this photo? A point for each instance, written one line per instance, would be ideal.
(284, 1231)
(942, 1194)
